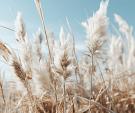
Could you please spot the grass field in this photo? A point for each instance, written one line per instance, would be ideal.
(49, 76)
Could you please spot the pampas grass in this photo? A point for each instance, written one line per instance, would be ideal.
(5, 52)
(58, 81)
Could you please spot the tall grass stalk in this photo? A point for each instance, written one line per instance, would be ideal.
(41, 14)
(1, 87)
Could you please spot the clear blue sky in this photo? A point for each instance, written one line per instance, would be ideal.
(57, 10)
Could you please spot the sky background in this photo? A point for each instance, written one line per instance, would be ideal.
(56, 12)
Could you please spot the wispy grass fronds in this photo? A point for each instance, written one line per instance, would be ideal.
(63, 64)
(38, 39)
(63, 55)
(129, 48)
(96, 29)
(116, 49)
(5, 52)
(123, 25)
(47, 77)
(42, 79)
(25, 48)
(77, 72)
(18, 70)
(20, 28)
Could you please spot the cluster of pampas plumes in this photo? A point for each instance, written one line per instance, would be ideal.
(50, 78)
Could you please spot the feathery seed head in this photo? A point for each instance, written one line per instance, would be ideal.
(18, 70)
(38, 37)
(63, 55)
(123, 25)
(5, 52)
(20, 28)
(96, 28)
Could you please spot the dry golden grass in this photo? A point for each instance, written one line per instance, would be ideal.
(99, 81)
